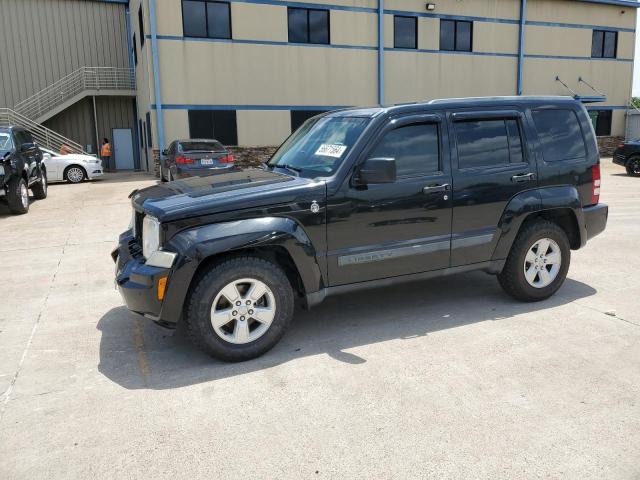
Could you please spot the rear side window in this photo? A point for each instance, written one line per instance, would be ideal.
(560, 135)
(486, 143)
(415, 148)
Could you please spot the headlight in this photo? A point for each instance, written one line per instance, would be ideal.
(150, 236)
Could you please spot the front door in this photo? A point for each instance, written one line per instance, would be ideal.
(385, 230)
(490, 164)
(123, 148)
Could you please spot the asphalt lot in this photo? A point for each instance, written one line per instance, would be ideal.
(444, 379)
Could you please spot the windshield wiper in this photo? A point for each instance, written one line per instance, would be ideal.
(289, 167)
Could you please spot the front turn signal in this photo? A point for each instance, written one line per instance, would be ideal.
(162, 286)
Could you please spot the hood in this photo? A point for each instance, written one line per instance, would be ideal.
(232, 189)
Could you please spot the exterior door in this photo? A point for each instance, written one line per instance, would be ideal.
(123, 148)
(385, 230)
(491, 164)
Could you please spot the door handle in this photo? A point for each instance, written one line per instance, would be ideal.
(436, 188)
(525, 177)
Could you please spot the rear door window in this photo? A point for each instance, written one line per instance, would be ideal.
(482, 143)
(560, 134)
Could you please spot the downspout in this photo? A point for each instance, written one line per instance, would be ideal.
(156, 75)
(132, 68)
(523, 21)
(381, 52)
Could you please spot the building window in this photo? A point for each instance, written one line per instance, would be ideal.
(141, 126)
(141, 26)
(604, 44)
(220, 125)
(206, 19)
(601, 122)
(405, 32)
(298, 117)
(135, 50)
(149, 137)
(456, 35)
(487, 143)
(308, 25)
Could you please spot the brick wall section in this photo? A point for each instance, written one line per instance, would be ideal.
(156, 163)
(251, 156)
(608, 144)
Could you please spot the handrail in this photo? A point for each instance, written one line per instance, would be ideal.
(43, 135)
(85, 78)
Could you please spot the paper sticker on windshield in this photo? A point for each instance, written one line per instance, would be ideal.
(329, 150)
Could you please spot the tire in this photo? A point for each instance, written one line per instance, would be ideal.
(162, 177)
(633, 166)
(16, 191)
(75, 174)
(210, 289)
(526, 247)
(40, 188)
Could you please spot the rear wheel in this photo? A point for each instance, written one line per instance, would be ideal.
(162, 177)
(18, 196)
(239, 309)
(39, 189)
(633, 167)
(538, 262)
(74, 174)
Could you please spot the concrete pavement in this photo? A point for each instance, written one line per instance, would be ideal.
(444, 379)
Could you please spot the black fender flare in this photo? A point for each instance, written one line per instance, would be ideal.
(536, 201)
(198, 244)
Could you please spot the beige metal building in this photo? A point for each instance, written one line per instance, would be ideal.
(249, 71)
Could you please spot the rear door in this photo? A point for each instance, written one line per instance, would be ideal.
(491, 165)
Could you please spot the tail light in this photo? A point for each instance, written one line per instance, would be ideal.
(184, 160)
(595, 176)
(621, 146)
(227, 159)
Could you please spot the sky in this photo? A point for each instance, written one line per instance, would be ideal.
(636, 65)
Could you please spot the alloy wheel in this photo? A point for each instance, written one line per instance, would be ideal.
(542, 263)
(243, 311)
(24, 195)
(75, 174)
(634, 166)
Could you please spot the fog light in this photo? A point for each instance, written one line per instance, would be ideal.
(162, 286)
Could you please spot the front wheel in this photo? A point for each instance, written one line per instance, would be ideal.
(18, 195)
(240, 308)
(74, 174)
(538, 262)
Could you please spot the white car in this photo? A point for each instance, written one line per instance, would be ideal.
(73, 168)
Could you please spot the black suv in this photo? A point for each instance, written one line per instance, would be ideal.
(363, 198)
(21, 168)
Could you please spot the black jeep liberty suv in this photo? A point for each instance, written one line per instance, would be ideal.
(366, 197)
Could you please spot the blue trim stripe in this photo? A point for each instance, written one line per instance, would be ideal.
(263, 42)
(362, 47)
(308, 5)
(575, 25)
(408, 13)
(174, 106)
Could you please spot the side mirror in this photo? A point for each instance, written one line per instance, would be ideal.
(25, 147)
(377, 170)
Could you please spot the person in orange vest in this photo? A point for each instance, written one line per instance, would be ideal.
(105, 153)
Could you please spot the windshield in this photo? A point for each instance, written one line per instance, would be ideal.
(200, 147)
(320, 145)
(5, 143)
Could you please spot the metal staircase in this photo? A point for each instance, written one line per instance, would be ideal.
(43, 135)
(86, 81)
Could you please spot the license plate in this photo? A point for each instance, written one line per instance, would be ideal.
(206, 161)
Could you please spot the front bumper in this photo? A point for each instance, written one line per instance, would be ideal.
(595, 219)
(138, 282)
